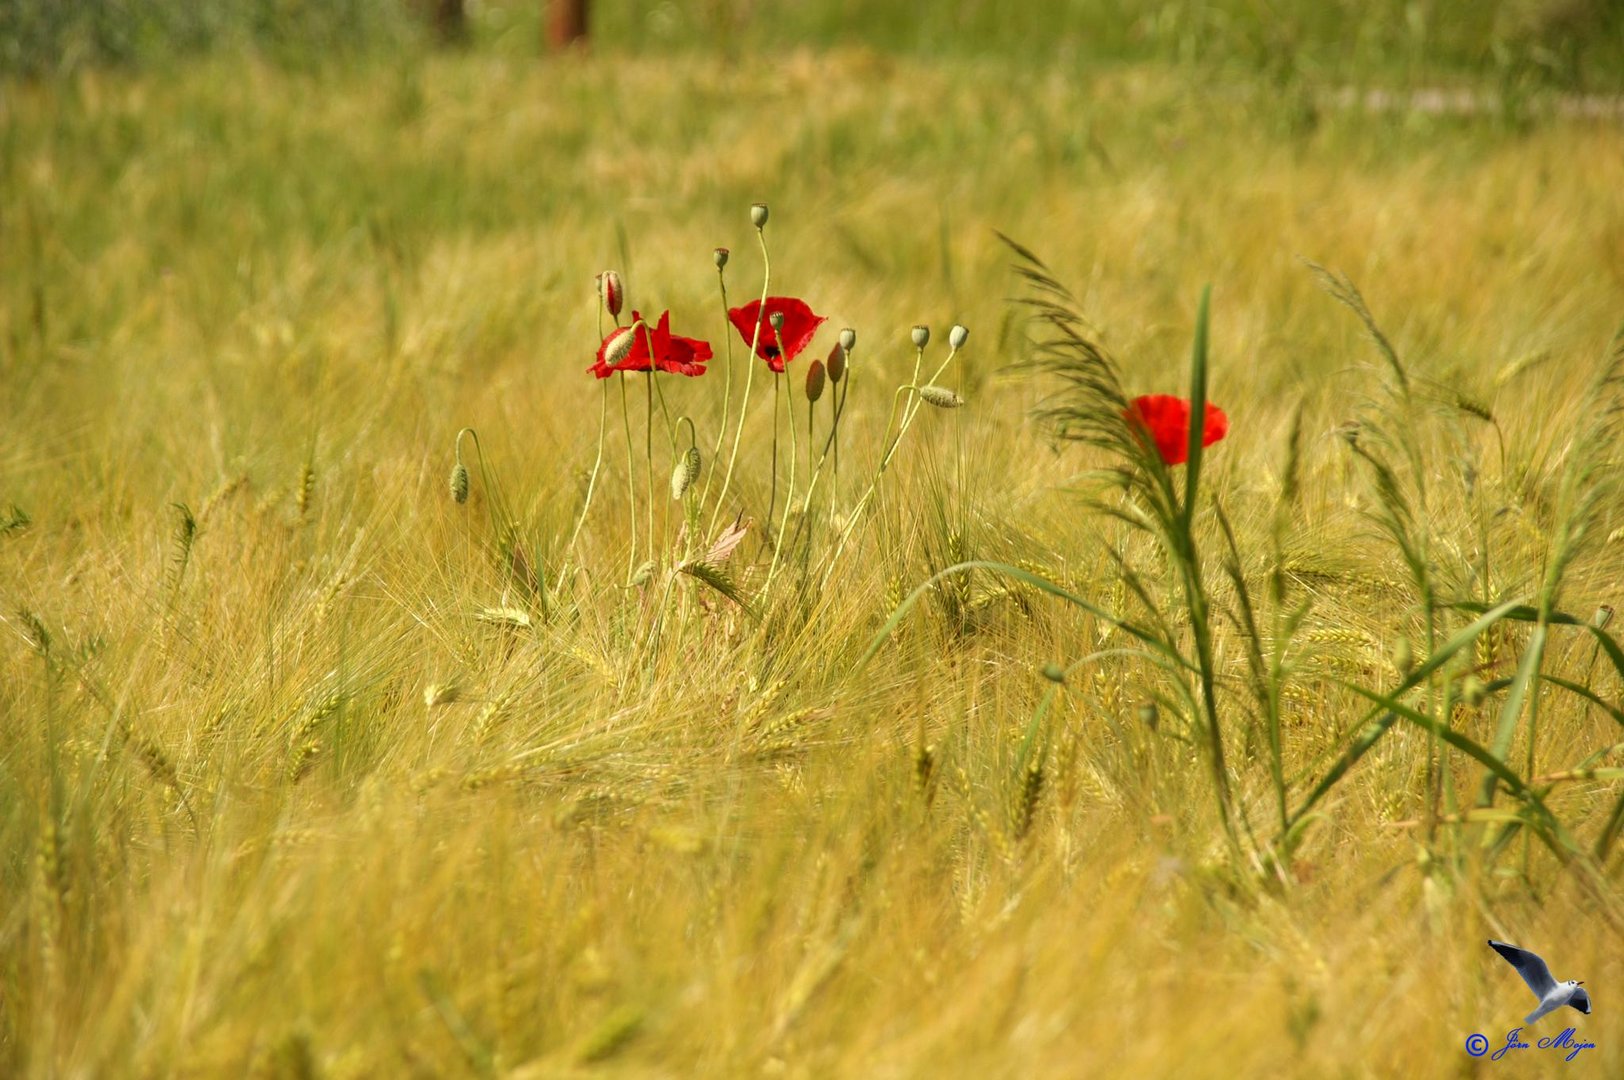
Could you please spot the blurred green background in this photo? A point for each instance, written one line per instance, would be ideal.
(1564, 44)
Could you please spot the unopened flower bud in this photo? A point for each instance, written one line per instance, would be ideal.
(848, 339)
(1472, 691)
(685, 472)
(836, 363)
(957, 336)
(720, 255)
(619, 344)
(814, 380)
(1149, 715)
(941, 397)
(611, 292)
(1603, 616)
(758, 214)
(459, 483)
(644, 571)
(1054, 672)
(921, 336)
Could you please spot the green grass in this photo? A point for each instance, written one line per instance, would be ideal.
(275, 798)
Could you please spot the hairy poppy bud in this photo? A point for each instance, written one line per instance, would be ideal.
(619, 345)
(921, 336)
(611, 292)
(685, 472)
(644, 571)
(836, 363)
(459, 482)
(957, 336)
(814, 381)
(720, 255)
(758, 214)
(1054, 672)
(941, 397)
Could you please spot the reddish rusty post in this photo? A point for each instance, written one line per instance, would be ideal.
(566, 23)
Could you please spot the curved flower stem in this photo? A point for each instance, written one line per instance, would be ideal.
(744, 404)
(591, 485)
(631, 479)
(885, 461)
(727, 392)
(789, 496)
(772, 496)
(837, 405)
(811, 438)
(648, 453)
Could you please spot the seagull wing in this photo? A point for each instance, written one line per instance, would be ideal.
(1580, 1000)
(1530, 967)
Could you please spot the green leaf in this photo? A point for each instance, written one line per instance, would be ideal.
(1376, 723)
(1198, 408)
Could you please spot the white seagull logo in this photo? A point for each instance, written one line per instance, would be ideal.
(1552, 994)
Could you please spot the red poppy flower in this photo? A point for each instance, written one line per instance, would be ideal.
(1167, 418)
(652, 348)
(800, 323)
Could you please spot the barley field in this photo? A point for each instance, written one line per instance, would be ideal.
(336, 741)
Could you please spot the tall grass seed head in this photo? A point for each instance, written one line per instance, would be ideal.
(758, 214)
(957, 336)
(921, 336)
(611, 292)
(814, 381)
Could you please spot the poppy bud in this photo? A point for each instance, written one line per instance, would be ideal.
(620, 343)
(814, 381)
(1472, 691)
(941, 397)
(643, 572)
(1148, 715)
(720, 255)
(836, 363)
(1603, 616)
(957, 336)
(459, 483)
(776, 319)
(611, 292)
(758, 214)
(1054, 673)
(921, 336)
(848, 339)
(685, 472)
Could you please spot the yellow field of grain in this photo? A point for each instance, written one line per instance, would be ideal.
(308, 769)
